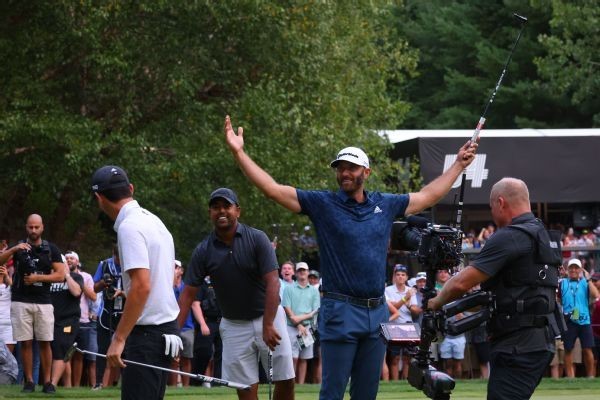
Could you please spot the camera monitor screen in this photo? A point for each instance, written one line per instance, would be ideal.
(401, 334)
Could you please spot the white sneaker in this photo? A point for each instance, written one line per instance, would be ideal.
(206, 385)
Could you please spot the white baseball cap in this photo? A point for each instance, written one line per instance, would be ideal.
(302, 265)
(574, 261)
(353, 155)
(421, 275)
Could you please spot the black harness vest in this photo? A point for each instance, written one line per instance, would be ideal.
(525, 291)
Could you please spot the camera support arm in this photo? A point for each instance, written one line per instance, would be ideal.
(421, 375)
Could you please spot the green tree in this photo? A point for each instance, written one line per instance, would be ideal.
(462, 47)
(571, 65)
(146, 85)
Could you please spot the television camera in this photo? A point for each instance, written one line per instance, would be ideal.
(111, 285)
(27, 262)
(438, 247)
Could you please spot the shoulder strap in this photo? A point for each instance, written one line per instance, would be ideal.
(105, 267)
(546, 243)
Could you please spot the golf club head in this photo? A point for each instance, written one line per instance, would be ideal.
(520, 17)
(70, 352)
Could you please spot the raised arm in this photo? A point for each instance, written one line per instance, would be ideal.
(5, 256)
(282, 194)
(432, 193)
(75, 286)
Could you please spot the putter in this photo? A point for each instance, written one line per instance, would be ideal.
(270, 372)
(203, 378)
(479, 127)
(523, 21)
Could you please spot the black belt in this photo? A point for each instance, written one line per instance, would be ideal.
(369, 303)
(167, 327)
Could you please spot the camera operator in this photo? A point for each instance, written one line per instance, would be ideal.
(519, 265)
(107, 282)
(37, 264)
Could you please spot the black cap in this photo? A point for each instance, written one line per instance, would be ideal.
(109, 177)
(224, 193)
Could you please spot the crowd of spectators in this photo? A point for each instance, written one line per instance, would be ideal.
(469, 356)
(87, 306)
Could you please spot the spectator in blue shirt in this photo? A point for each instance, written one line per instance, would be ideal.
(353, 228)
(109, 286)
(576, 294)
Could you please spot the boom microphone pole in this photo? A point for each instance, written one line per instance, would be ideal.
(475, 137)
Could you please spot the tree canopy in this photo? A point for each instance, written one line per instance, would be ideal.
(146, 85)
(463, 46)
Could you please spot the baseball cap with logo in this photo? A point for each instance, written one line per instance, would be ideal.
(401, 268)
(421, 275)
(301, 265)
(353, 155)
(224, 193)
(109, 177)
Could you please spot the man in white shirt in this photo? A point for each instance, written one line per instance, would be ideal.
(403, 298)
(149, 317)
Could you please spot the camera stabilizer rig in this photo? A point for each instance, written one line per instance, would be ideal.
(438, 247)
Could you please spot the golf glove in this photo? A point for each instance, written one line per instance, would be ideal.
(173, 345)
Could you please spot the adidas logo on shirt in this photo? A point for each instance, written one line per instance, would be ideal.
(377, 210)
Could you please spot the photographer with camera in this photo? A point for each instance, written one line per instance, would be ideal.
(108, 283)
(519, 266)
(37, 263)
(353, 229)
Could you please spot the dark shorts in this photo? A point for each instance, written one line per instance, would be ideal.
(483, 352)
(146, 344)
(597, 348)
(64, 337)
(583, 332)
(87, 339)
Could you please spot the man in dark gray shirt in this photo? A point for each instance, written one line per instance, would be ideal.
(521, 270)
(243, 268)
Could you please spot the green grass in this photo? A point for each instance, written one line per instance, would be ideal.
(576, 389)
